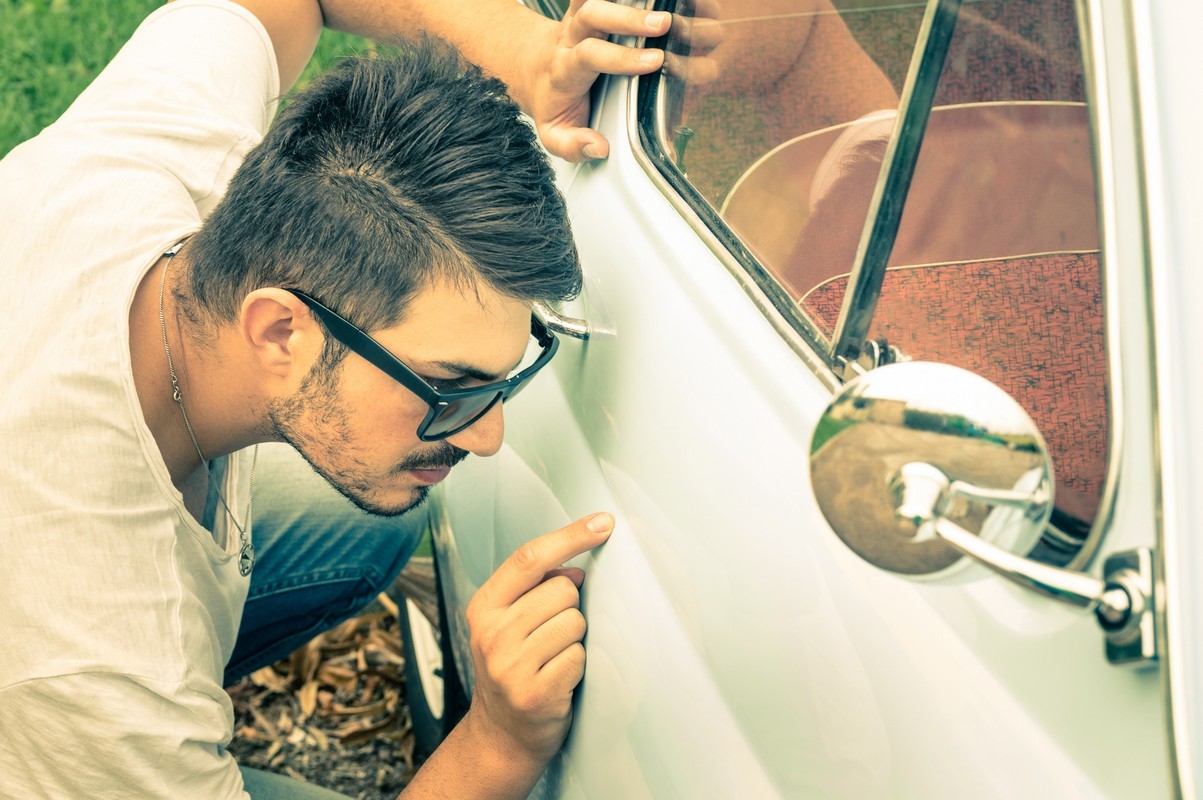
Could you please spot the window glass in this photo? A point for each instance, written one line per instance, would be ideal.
(996, 265)
(760, 96)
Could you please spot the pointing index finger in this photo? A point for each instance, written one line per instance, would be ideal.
(527, 566)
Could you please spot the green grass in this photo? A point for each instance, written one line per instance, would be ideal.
(826, 430)
(425, 548)
(51, 49)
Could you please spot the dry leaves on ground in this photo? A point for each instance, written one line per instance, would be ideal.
(333, 714)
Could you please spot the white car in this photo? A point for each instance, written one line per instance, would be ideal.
(811, 190)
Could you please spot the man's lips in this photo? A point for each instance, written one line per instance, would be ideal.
(432, 466)
(430, 476)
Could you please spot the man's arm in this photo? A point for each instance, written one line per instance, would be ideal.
(548, 66)
(526, 632)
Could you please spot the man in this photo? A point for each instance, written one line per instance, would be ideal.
(158, 331)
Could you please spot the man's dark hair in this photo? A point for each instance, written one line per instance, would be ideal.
(382, 177)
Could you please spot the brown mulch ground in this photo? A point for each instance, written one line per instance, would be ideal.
(333, 714)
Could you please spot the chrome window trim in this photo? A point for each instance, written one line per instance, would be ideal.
(1098, 109)
(781, 312)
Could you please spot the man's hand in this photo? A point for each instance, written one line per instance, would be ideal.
(573, 59)
(548, 66)
(526, 631)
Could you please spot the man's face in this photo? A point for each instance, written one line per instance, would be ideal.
(358, 427)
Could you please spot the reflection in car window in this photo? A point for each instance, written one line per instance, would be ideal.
(777, 115)
(758, 93)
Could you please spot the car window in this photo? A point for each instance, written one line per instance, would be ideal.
(774, 119)
(756, 95)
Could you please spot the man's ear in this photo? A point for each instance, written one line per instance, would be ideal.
(280, 331)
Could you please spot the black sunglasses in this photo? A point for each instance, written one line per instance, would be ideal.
(453, 410)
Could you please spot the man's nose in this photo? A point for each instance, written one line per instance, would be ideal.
(483, 437)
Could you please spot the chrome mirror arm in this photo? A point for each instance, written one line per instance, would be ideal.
(1075, 588)
(923, 493)
(1031, 502)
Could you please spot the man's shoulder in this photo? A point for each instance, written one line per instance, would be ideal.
(204, 61)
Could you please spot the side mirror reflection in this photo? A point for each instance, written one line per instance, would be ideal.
(906, 445)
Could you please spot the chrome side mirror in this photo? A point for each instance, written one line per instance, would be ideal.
(926, 469)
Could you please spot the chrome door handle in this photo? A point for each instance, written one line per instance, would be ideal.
(557, 322)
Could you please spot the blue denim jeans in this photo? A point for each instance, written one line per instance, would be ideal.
(318, 560)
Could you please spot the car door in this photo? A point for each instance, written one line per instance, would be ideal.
(737, 274)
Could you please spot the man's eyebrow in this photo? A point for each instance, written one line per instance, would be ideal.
(468, 371)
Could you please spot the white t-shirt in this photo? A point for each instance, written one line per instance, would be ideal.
(118, 610)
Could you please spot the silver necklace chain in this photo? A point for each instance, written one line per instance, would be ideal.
(246, 550)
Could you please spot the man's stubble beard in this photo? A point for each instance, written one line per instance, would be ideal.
(318, 406)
